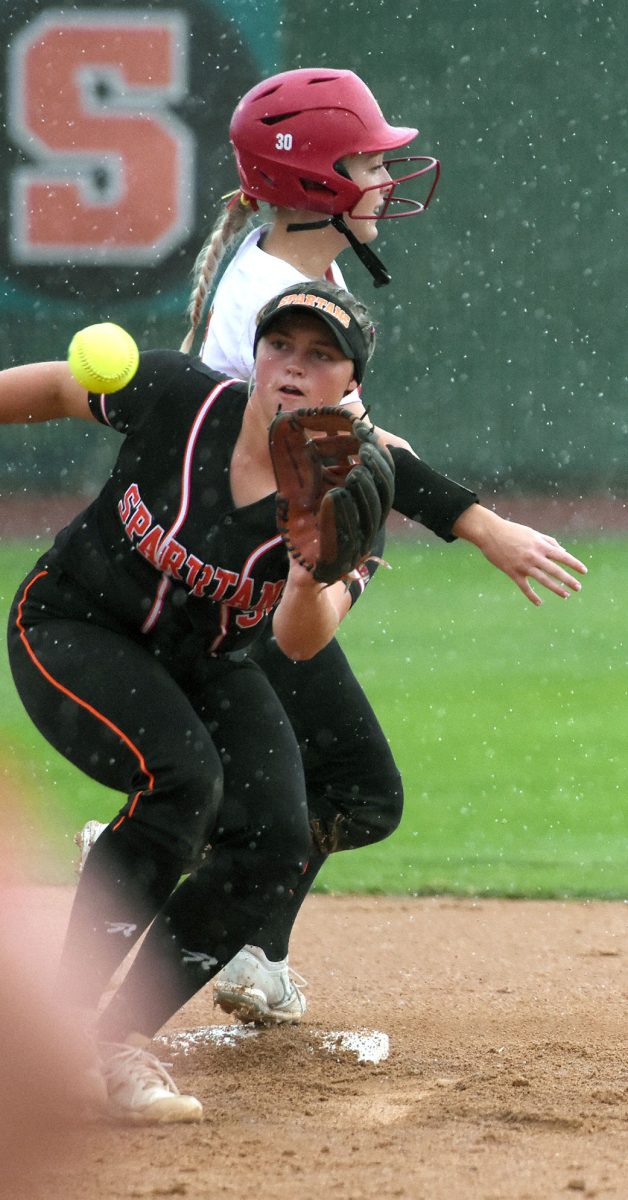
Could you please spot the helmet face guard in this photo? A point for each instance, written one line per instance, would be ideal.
(385, 196)
(386, 193)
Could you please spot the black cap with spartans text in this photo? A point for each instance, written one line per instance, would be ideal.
(335, 307)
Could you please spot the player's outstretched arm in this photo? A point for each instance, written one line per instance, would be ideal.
(452, 511)
(41, 392)
(520, 552)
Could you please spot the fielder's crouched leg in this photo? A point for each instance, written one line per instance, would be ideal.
(355, 798)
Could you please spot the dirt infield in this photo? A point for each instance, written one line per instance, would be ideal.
(43, 515)
(507, 1076)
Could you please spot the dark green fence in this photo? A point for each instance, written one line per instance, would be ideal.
(502, 338)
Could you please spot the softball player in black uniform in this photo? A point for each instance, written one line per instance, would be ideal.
(126, 645)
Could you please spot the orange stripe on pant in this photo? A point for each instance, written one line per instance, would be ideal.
(83, 703)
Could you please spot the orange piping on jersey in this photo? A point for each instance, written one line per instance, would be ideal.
(186, 472)
(225, 611)
(156, 606)
(259, 550)
(77, 699)
(184, 502)
(224, 624)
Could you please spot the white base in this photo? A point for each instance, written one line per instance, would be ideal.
(368, 1045)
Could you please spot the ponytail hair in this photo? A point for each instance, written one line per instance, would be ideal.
(229, 225)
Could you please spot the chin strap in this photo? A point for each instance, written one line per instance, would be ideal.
(296, 228)
(373, 264)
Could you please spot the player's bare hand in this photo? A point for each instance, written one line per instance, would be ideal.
(525, 555)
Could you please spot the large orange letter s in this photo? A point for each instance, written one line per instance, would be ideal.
(90, 97)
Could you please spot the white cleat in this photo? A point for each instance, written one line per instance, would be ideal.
(251, 988)
(139, 1089)
(85, 839)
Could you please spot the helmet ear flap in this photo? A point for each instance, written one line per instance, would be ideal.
(289, 184)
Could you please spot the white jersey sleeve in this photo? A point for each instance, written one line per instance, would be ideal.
(251, 279)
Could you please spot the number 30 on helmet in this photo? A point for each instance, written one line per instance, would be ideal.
(291, 131)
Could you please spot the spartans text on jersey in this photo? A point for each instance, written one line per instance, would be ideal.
(204, 580)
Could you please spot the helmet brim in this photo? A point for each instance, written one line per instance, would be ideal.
(395, 138)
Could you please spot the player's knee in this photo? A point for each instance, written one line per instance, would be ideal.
(198, 810)
(282, 845)
(359, 818)
(275, 851)
(179, 815)
(387, 805)
(296, 851)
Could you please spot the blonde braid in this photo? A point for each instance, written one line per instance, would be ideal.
(231, 222)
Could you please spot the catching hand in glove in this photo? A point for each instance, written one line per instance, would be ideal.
(335, 485)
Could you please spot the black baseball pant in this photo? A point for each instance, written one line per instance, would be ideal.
(354, 789)
(203, 750)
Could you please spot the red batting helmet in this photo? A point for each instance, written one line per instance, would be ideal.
(291, 131)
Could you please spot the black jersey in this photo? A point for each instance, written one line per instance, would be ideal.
(163, 543)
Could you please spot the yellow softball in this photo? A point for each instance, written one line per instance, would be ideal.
(103, 358)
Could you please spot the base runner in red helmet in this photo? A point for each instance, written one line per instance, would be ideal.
(314, 145)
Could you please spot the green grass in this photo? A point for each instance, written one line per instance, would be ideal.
(508, 723)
